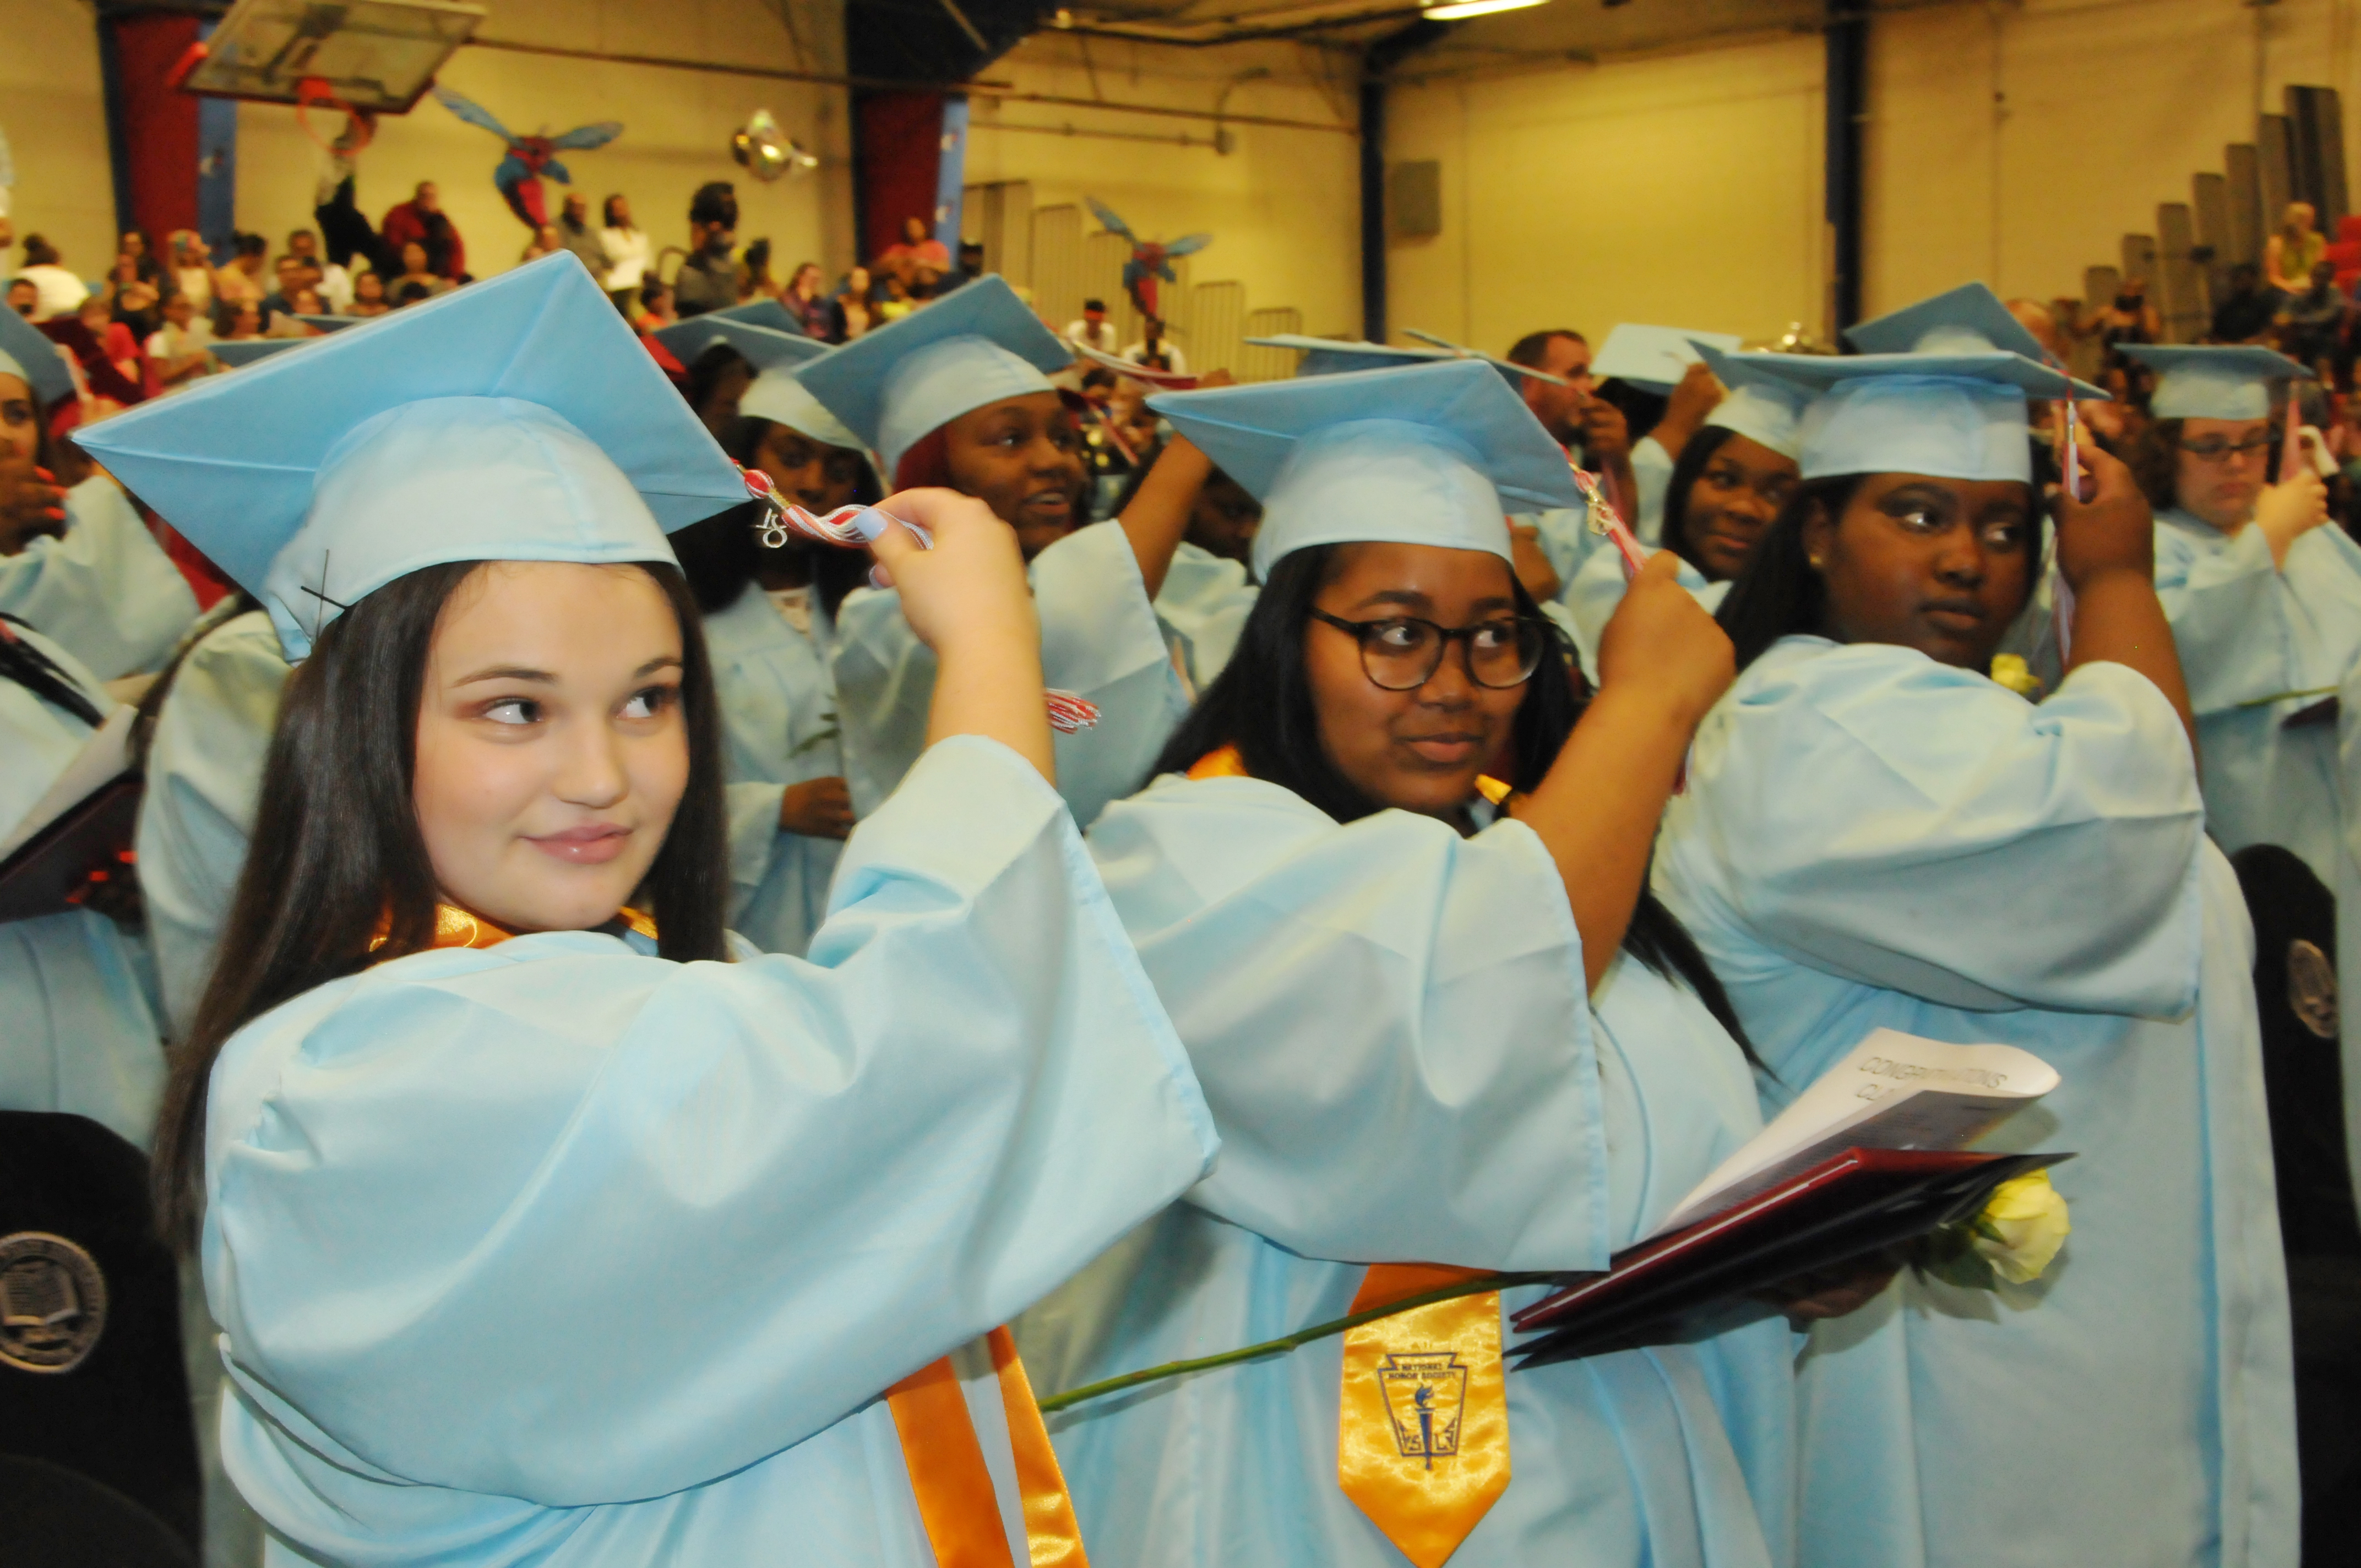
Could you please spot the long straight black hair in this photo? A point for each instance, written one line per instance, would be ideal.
(1262, 704)
(336, 850)
(1687, 469)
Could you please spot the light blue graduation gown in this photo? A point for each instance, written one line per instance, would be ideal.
(2248, 630)
(78, 1031)
(1390, 1024)
(1590, 600)
(2346, 886)
(1205, 602)
(104, 590)
(1872, 838)
(1652, 471)
(558, 1253)
(778, 728)
(204, 773)
(1100, 640)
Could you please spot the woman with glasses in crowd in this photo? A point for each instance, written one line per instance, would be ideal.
(1439, 1022)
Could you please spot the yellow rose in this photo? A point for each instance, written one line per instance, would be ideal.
(2021, 1228)
(2010, 670)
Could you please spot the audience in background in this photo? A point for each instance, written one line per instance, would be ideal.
(193, 271)
(625, 245)
(58, 292)
(655, 305)
(241, 282)
(574, 233)
(707, 279)
(422, 221)
(369, 296)
(2246, 312)
(416, 272)
(24, 296)
(545, 241)
(1153, 352)
(2128, 318)
(807, 299)
(179, 350)
(853, 316)
(2311, 323)
(333, 280)
(144, 267)
(1092, 329)
(135, 300)
(2290, 254)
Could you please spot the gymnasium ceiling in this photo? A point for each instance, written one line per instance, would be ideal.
(1567, 27)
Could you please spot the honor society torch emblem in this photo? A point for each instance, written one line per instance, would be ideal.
(53, 1302)
(1426, 1393)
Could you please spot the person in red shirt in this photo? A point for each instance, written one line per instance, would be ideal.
(422, 220)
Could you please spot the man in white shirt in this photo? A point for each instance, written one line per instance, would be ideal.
(335, 285)
(1154, 352)
(180, 347)
(1092, 329)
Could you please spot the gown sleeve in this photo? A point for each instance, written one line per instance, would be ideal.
(1871, 813)
(1389, 1023)
(1651, 470)
(205, 773)
(2228, 619)
(559, 1222)
(1100, 640)
(754, 833)
(104, 590)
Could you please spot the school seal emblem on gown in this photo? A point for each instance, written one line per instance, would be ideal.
(53, 1302)
(1424, 1393)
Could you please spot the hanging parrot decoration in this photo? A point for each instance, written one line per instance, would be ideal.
(1150, 261)
(530, 159)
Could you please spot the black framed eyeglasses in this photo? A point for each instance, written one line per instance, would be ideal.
(1401, 653)
(2213, 448)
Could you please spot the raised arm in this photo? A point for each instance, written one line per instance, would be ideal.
(1662, 663)
(2107, 550)
(1157, 518)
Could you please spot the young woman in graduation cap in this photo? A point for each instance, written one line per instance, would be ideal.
(1730, 481)
(1873, 834)
(76, 562)
(2264, 593)
(541, 1223)
(1430, 1036)
(959, 395)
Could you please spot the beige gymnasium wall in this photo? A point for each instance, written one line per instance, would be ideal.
(54, 111)
(1283, 204)
(1681, 188)
(2019, 143)
(677, 127)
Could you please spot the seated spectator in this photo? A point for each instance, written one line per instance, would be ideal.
(24, 296)
(754, 273)
(897, 302)
(2128, 318)
(1092, 329)
(239, 322)
(2289, 255)
(290, 274)
(422, 220)
(627, 251)
(193, 271)
(707, 279)
(146, 268)
(1154, 352)
(132, 299)
(333, 281)
(656, 306)
(2247, 311)
(59, 292)
(111, 364)
(417, 271)
(854, 313)
(411, 292)
(918, 247)
(807, 299)
(241, 281)
(369, 296)
(545, 241)
(2311, 323)
(179, 351)
(971, 267)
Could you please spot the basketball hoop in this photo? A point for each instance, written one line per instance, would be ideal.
(361, 127)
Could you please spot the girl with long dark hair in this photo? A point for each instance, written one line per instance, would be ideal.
(958, 395)
(1428, 1032)
(2264, 593)
(542, 1220)
(1876, 834)
(75, 561)
(1730, 481)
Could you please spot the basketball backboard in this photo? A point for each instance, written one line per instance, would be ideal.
(369, 54)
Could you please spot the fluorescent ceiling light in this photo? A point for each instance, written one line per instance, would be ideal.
(1459, 10)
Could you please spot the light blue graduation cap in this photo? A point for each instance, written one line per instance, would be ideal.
(1758, 404)
(764, 312)
(327, 323)
(239, 352)
(2228, 381)
(780, 397)
(762, 347)
(1427, 455)
(1654, 359)
(27, 354)
(1969, 319)
(897, 384)
(1337, 356)
(514, 420)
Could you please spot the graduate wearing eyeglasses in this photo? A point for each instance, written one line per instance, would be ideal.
(1875, 833)
(1431, 1033)
(2264, 596)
